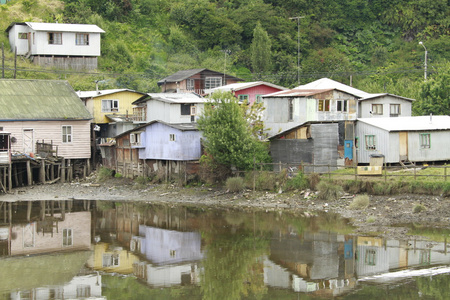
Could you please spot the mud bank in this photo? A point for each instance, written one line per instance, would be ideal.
(385, 216)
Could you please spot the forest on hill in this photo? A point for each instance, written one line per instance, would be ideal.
(371, 44)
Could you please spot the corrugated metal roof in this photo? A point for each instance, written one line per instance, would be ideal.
(419, 123)
(89, 28)
(243, 85)
(183, 74)
(179, 126)
(22, 99)
(173, 98)
(93, 94)
(326, 83)
(297, 93)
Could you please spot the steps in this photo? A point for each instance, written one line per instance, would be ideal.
(406, 164)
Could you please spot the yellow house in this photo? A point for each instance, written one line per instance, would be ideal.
(112, 259)
(108, 105)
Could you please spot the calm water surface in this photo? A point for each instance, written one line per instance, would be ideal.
(126, 250)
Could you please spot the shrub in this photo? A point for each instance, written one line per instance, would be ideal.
(418, 208)
(235, 184)
(142, 180)
(360, 202)
(328, 190)
(118, 175)
(265, 181)
(313, 180)
(371, 219)
(104, 174)
(298, 182)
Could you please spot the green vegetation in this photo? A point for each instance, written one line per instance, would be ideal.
(371, 219)
(360, 202)
(235, 184)
(328, 190)
(419, 208)
(146, 40)
(298, 182)
(104, 174)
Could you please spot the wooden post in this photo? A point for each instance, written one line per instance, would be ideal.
(69, 171)
(329, 172)
(414, 173)
(16, 176)
(385, 172)
(88, 164)
(356, 172)
(42, 171)
(63, 170)
(10, 177)
(29, 173)
(29, 206)
(445, 173)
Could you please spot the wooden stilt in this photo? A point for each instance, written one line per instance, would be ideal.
(42, 171)
(29, 174)
(29, 206)
(10, 177)
(63, 170)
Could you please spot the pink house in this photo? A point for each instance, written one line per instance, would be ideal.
(249, 91)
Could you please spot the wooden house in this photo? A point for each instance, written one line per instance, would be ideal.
(112, 110)
(311, 143)
(195, 80)
(154, 148)
(74, 46)
(414, 139)
(249, 91)
(168, 107)
(384, 105)
(45, 117)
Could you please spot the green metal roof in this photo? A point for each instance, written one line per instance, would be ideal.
(22, 99)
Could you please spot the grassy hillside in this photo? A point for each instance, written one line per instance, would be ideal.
(372, 43)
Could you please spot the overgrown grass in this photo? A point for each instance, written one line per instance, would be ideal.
(235, 184)
(360, 202)
(419, 208)
(104, 174)
(328, 190)
(297, 183)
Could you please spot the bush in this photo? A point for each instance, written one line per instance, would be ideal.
(313, 180)
(328, 190)
(360, 202)
(118, 175)
(298, 182)
(265, 181)
(104, 174)
(142, 180)
(419, 208)
(371, 219)
(235, 184)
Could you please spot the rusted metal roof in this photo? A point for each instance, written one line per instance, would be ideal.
(23, 99)
(184, 74)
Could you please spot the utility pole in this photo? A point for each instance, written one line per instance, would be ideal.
(426, 58)
(298, 46)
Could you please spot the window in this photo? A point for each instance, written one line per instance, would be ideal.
(342, 105)
(258, 98)
(190, 85)
(370, 142)
(243, 98)
(370, 259)
(323, 105)
(193, 110)
(82, 39)
(23, 36)
(394, 110)
(291, 110)
(111, 260)
(172, 137)
(55, 38)
(185, 109)
(67, 134)
(135, 139)
(377, 109)
(425, 141)
(212, 82)
(110, 105)
(83, 291)
(67, 237)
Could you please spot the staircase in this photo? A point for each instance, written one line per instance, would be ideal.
(406, 164)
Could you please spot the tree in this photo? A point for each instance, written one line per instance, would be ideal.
(228, 138)
(261, 55)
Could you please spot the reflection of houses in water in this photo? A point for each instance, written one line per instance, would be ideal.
(174, 256)
(43, 227)
(329, 264)
(316, 262)
(80, 287)
(109, 258)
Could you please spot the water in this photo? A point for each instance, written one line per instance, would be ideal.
(125, 250)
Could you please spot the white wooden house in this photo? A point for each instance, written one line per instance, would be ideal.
(169, 107)
(415, 139)
(75, 46)
(384, 105)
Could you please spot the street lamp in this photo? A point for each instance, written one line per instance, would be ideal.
(298, 46)
(426, 57)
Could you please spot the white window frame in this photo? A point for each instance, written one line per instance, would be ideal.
(67, 237)
(135, 138)
(425, 140)
(110, 260)
(212, 82)
(370, 142)
(377, 109)
(23, 36)
(67, 134)
(342, 105)
(190, 84)
(172, 137)
(323, 105)
(193, 110)
(82, 39)
(370, 258)
(110, 105)
(55, 38)
(394, 110)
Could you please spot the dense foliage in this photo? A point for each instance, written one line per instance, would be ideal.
(374, 45)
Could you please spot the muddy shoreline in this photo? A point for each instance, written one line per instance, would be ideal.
(385, 216)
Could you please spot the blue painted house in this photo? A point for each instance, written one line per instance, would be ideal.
(155, 148)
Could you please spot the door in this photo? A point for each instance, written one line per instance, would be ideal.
(403, 144)
(348, 149)
(28, 141)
